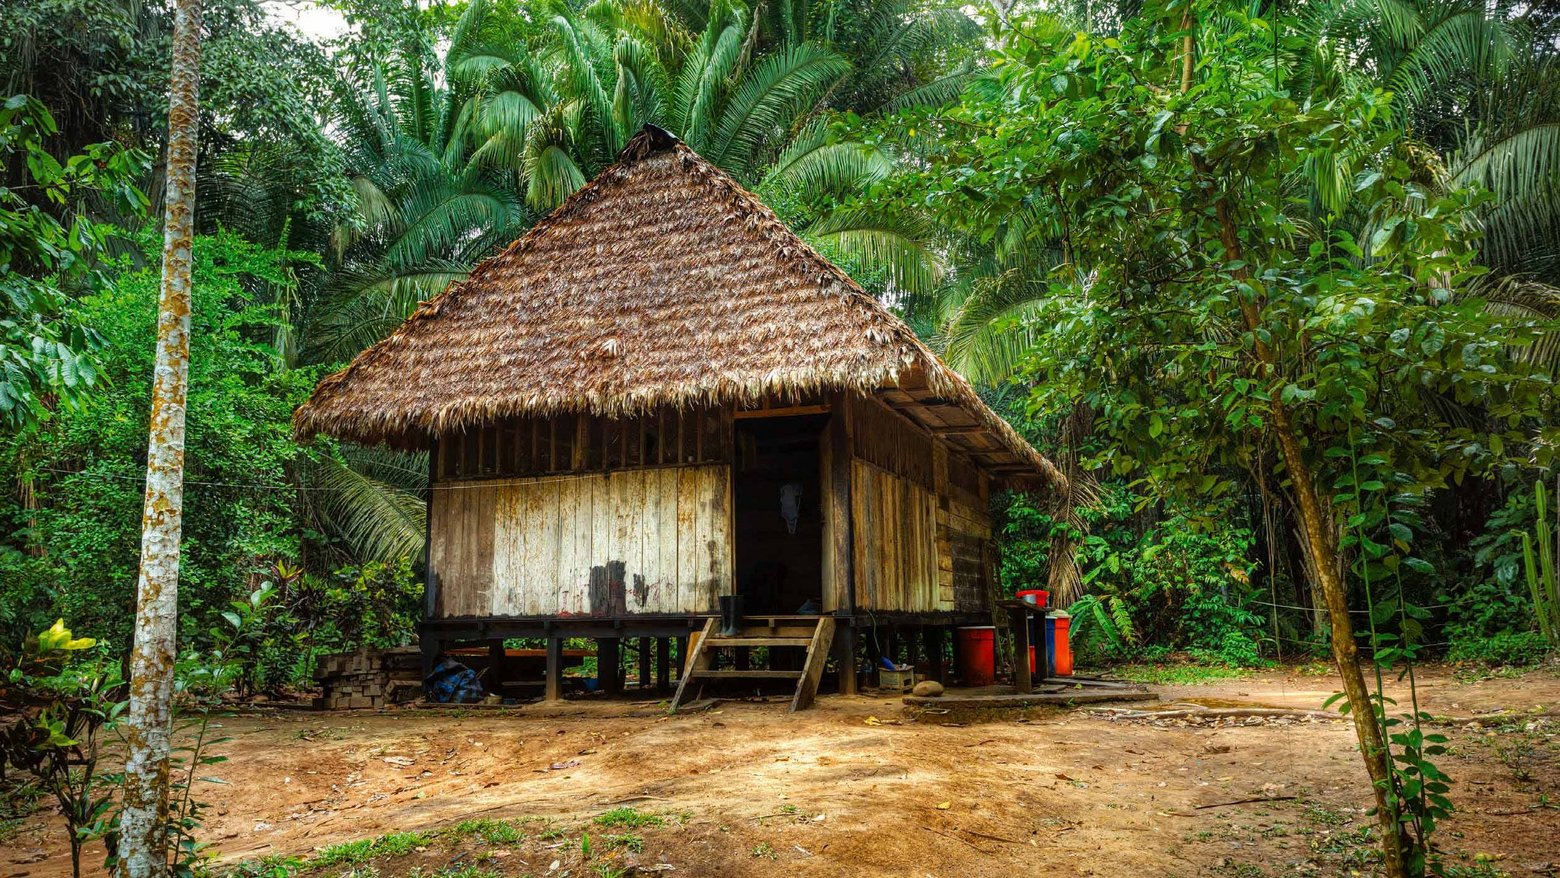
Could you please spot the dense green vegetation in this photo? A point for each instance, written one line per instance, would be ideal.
(1276, 284)
(1394, 170)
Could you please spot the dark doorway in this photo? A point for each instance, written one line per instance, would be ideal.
(777, 503)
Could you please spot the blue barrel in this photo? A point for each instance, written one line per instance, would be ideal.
(1050, 645)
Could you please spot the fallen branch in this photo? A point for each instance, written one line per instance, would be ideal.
(1224, 713)
(1245, 802)
(973, 846)
(992, 837)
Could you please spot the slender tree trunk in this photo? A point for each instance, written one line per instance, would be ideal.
(143, 844)
(1319, 533)
(1316, 526)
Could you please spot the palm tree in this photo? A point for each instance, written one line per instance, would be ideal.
(1479, 88)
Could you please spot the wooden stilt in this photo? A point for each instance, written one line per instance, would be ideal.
(609, 665)
(494, 681)
(682, 657)
(1019, 623)
(845, 657)
(644, 663)
(937, 653)
(554, 691)
(663, 663)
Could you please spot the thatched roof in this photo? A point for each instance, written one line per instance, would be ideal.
(661, 283)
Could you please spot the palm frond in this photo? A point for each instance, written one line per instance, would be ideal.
(815, 163)
(376, 519)
(769, 99)
(899, 243)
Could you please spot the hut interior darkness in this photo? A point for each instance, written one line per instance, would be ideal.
(660, 397)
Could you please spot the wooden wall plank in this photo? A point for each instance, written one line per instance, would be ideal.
(529, 546)
(688, 566)
(666, 535)
(895, 525)
(650, 546)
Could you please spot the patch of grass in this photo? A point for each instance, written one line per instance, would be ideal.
(274, 866)
(494, 832)
(355, 853)
(1178, 674)
(628, 818)
(765, 851)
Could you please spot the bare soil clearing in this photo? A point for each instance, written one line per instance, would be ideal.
(862, 786)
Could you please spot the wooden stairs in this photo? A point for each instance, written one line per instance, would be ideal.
(816, 633)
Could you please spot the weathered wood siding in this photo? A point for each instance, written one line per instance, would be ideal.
(600, 544)
(895, 527)
(963, 546)
(966, 553)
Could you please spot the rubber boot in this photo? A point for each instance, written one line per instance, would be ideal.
(730, 615)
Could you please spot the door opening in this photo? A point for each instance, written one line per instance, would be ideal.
(777, 504)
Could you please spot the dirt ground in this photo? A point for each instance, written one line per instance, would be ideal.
(862, 787)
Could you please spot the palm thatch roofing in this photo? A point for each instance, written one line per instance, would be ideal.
(662, 283)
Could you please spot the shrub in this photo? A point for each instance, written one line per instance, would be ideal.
(1515, 648)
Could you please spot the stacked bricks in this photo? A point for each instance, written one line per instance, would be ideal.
(368, 678)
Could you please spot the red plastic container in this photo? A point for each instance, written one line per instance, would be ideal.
(1064, 666)
(1041, 596)
(978, 654)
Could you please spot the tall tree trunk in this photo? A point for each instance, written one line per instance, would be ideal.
(1316, 525)
(143, 843)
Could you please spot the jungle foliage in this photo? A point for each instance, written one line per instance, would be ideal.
(1024, 187)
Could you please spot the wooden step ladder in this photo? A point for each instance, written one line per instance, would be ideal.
(816, 633)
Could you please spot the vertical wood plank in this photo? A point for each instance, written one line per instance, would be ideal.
(666, 582)
(576, 598)
(506, 585)
(548, 578)
(650, 547)
(708, 506)
(603, 549)
(687, 540)
(485, 530)
(722, 532)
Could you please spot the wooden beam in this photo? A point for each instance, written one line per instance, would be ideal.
(663, 663)
(812, 668)
(958, 429)
(609, 665)
(1022, 679)
(786, 412)
(644, 663)
(845, 657)
(554, 690)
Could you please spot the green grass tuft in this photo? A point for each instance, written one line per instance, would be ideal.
(494, 832)
(354, 853)
(628, 818)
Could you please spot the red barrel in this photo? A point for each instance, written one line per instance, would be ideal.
(978, 654)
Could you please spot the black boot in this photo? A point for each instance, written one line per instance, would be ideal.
(730, 615)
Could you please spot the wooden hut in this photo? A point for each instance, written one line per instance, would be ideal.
(660, 395)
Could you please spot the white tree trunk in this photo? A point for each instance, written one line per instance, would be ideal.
(143, 843)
